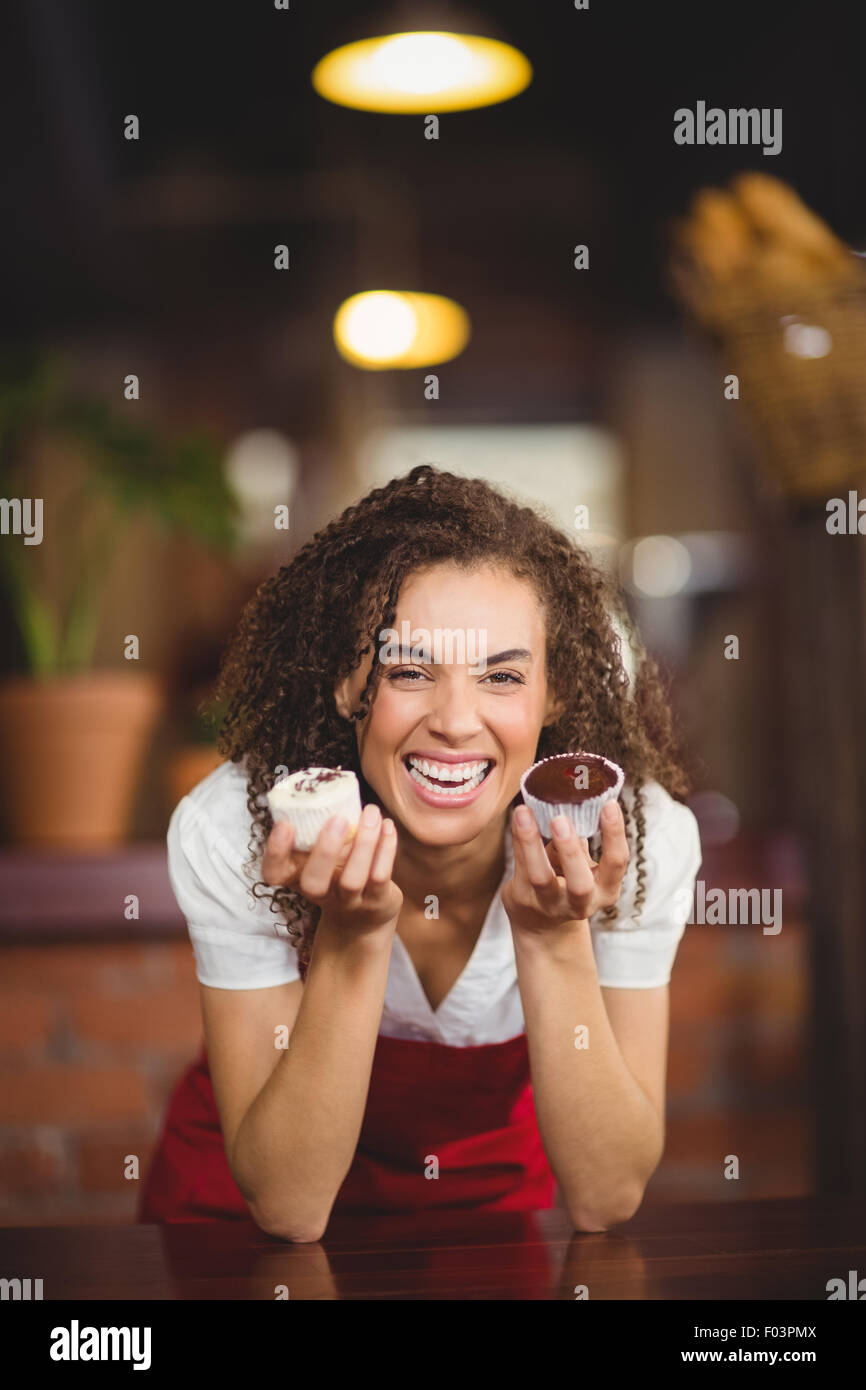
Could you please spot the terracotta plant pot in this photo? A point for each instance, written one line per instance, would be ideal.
(71, 751)
(188, 766)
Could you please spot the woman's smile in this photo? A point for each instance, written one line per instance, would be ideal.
(449, 780)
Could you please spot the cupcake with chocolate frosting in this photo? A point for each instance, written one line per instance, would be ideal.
(308, 799)
(574, 785)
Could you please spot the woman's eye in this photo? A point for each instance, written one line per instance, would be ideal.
(414, 676)
(496, 677)
(507, 677)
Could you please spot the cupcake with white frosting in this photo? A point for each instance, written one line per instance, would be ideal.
(308, 799)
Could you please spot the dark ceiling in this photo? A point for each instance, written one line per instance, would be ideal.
(174, 233)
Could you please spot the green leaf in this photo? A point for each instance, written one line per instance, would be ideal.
(132, 470)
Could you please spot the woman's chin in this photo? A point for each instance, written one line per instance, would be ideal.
(454, 828)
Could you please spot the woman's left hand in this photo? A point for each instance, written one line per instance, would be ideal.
(561, 883)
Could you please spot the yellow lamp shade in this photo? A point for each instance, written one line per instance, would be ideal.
(423, 73)
(385, 329)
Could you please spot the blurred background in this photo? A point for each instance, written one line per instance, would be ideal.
(185, 215)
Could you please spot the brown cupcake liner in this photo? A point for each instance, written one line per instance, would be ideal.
(584, 815)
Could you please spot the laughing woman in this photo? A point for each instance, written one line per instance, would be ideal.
(451, 1013)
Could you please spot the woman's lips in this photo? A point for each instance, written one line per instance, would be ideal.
(445, 797)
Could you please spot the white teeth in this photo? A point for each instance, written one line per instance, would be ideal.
(449, 772)
(465, 776)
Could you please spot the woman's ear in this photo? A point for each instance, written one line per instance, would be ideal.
(349, 689)
(342, 697)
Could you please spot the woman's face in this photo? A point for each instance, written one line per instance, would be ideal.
(453, 728)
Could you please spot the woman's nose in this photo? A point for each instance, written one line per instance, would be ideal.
(454, 711)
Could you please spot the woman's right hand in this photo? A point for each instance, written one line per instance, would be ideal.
(354, 891)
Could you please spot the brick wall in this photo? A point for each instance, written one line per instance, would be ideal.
(93, 1036)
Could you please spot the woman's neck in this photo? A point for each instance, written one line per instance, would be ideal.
(457, 873)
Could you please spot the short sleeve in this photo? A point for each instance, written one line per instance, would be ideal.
(238, 942)
(638, 952)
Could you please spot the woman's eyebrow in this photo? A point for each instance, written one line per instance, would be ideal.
(513, 654)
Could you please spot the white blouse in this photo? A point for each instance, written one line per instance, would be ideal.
(240, 944)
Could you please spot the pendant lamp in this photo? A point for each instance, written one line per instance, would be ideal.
(421, 59)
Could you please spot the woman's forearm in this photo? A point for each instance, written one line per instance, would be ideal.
(297, 1141)
(600, 1131)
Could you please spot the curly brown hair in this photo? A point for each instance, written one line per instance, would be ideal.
(312, 623)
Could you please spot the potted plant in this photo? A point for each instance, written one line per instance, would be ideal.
(72, 738)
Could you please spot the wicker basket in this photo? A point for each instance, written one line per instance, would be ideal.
(800, 356)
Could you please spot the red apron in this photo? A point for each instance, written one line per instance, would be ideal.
(469, 1107)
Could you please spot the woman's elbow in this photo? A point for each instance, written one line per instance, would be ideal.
(294, 1232)
(274, 1217)
(613, 1214)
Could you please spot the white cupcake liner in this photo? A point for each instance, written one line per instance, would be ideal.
(584, 815)
(334, 799)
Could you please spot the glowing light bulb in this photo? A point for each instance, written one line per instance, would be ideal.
(424, 72)
(379, 325)
(422, 64)
(380, 329)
